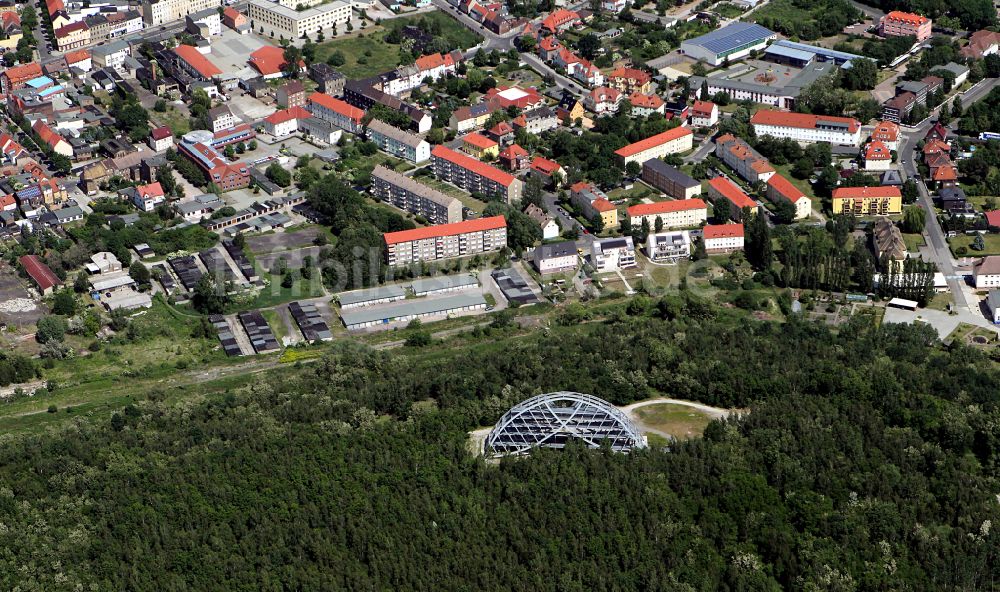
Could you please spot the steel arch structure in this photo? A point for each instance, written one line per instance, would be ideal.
(553, 419)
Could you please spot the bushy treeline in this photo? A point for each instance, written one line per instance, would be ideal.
(867, 461)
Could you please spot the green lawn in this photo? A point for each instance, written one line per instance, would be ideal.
(275, 294)
(367, 53)
(913, 242)
(177, 121)
(965, 240)
(467, 200)
(785, 171)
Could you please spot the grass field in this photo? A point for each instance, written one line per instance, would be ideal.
(275, 294)
(913, 242)
(992, 242)
(680, 421)
(467, 200)
(367, 53)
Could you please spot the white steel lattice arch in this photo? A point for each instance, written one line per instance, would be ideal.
(552, 419)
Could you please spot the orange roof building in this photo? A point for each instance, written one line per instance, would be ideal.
(474, 176)
(887, 132)
(867, 201)
(780, 188)
(338, 112)
(905, 24)
(559, 20)
(678, 213)
(270, 61)
(723, 238)
(806, 128)
(15, 78)
(443, 241)
(726, 195)
(196, 64)
(672, 141)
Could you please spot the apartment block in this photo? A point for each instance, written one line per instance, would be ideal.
(681, 213)
(723, 238)
(868, 201)
(727, 195)
(669, 180)
(905, 24)
(337, 112)
(778, 187)
(806, 128)
(446, 240)
(398, 142)
(749, 164)
(276, 19)
(155, 13)
(673, 141)
(409, 195)
(474, 176)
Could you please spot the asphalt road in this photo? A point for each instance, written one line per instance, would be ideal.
(933, 232)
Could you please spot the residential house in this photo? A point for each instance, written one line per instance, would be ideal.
(570, 109)
(336, 111)
(646, 105)
(611, 254)
(161, 138)
(514, 158)
(603, 100)
(291, 94)
(547, 169)
(704, 114)
(480, 146)
(806, 128)
(668, 247)
(986, 273)
(57, 143)
(867, 201)
(502, 133)
(145, 197)
(536, 121)
(780, 188)
(886, 132)
(591, 202)
(876, 156)
(555, 258)
(548, 224)
(890, 248)
(728, 197)
(723, 238)
(630, 80)
(235, 20)
(285, 122)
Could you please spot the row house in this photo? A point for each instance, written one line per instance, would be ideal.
(363, 96)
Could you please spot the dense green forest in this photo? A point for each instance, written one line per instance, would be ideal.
(867, 461)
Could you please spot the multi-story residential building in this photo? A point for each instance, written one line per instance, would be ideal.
(868, 201)
(443, 241)
(57, 143)
(876, 156)
(555, 257)
(161, 138)
(548, 224)
(291, 94)
(780, 188)
(704, 114)
(890, 248)
(397, 142)
(72, 36)
(603, 100)
(409, 195)
(276, 19)
(560, 20)
(221, 118)
(722, 238)
(747, 162)
(887, 132)
(680, 213)
(727, 196)
(480, 146)
(669, 180)
(329, 80)
(17, 77)
(805, 128)
(205, 22)
(474, 176)
(668, 247)
(591, 202)
(536, 121)
(981, 44)
(514, 96)
(363, 95)
(159, 12)
(337, 112)
(105, 26)
(514, 158)
(145, 197)
(987, 273)
(285, 122)
(630, 80)
(111, 55)
(236, 20)
(610, 254)
(465, 119)
(905, 24)
(646, 105)
(672, 141)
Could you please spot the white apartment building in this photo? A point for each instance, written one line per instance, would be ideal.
(679, 213)
(668, 247)
(409, 195)
(111, 55)
(398, 142)
(610, 254)
(723, 238)
(459, 239)
(555, 257)
(276, 19)
(672, 141)
(155, 13)
(807, 129)
(209, 18)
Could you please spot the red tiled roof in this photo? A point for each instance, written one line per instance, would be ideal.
(197, 61)
(559, 18)
(477, 225)
(434, 60)
(10, 18)
(46, 133)
(877, 151)
(337, 106)
(785, 188)
(39, 272)
(993, 217)
(23, 73)
(544, 165)
(161, 133)
(269, 60)
(479, 141)
(945, 173)
(77, 56)
(151, 190)
(513, 151)
(501, 129)
(906, 17)
(70, 28)
(642, 145)
(287, 115)
(604, 94)
(722, 231)
(732, 192)
(886, 131)
(471, 164)
(861, 192)
(799, 120)
(935, 146)
(704, 108)
(664, 207)
(231, 13)
(602, 205)
(646, 101)
(631, 74)
(549, 44)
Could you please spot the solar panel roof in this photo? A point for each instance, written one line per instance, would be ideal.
(731, 37)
